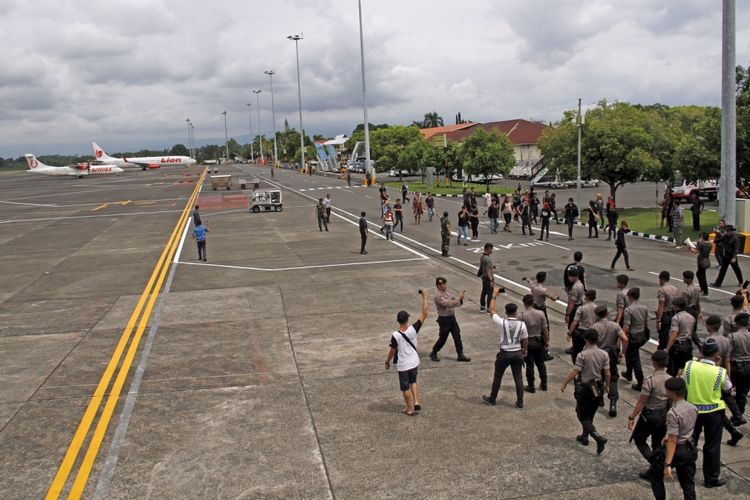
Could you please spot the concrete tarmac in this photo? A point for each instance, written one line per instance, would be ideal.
(260, 373)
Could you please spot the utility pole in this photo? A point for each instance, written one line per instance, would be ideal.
(260, 136)
(578, 168)
(296, 39)
(368, 168)
(250, 126)
(226, 135)
(190, 147)
(270, 74)
(728, 180)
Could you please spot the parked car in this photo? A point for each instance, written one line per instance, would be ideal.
(394, 173)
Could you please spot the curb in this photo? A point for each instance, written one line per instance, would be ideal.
(645, 236)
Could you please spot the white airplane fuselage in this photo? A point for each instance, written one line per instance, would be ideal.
(145, 162)
(79, 170)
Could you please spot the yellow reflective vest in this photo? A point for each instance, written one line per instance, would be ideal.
(704, 382)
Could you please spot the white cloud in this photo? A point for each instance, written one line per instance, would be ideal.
(128, 72)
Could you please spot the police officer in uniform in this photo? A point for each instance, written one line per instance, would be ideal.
(540, 293)
(614, 342)
(679, 451)
(705, 381)
(713, 323)
(446, 303)
(536, 327)
(591, 372)
(635, 326)
(621, 298)
(665, 295)
(681, 335)
(445, 234)
(651, 410)
(585, 317)
(739, 345)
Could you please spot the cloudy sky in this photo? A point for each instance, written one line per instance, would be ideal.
(127, 73)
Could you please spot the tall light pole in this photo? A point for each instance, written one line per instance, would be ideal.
(368, 169)
(296, 39)
(578, 169)
(728, 179)
(190, 146)
(270, 74)
(192, 141)
(226, 135)
(260, 135)
(250, 126)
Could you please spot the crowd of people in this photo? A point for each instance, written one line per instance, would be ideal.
(693, 381)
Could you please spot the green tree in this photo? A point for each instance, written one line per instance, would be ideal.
(179, 150)
(617, 147)
(743, 121)
(487, 154)
(387, 145)
(559, 146)
(432, 120)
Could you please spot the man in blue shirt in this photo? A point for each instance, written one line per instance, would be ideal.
(199, 233)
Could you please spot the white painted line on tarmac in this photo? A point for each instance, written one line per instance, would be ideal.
(421, 256)
(98, 216)
(28, 204)
(184, 233)
(302, 268)
(710, 288)
(553, 245)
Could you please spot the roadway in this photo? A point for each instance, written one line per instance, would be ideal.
(259, 372)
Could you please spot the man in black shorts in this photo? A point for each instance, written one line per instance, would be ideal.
(404, 342)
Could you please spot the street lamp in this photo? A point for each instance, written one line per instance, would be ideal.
(364, 93)
(270, 74)
(296, 39)
(192, 141)
(250, 126)
(226, 135)
(190, 146)
(260, 135)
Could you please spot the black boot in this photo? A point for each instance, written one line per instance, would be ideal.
(461, 357)
(583, 439)
(627, 376)
(600, 442)
(736, 436)
(612, 408)
(434, 356)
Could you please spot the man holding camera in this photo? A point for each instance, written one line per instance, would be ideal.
(513, 349)
(446, 303)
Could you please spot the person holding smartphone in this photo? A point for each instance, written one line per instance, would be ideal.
(446, 303)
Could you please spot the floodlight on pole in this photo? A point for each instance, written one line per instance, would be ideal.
(296, 39)
(226, 135)
(260, 135)
(250, 126)
(193, 152)
(368, 168)
(190, 147)
(270, 74)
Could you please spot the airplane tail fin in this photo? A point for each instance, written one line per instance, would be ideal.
(32, 162)
(99, 153)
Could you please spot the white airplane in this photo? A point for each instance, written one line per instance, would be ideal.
(145, 162)
(78, 170)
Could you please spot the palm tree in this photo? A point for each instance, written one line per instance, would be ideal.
(432, 120)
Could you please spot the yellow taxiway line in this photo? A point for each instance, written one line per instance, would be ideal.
(143, 310)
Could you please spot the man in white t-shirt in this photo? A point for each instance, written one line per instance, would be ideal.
(404, 342)
(514, 340)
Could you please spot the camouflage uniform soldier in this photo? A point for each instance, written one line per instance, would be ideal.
(445, 234)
